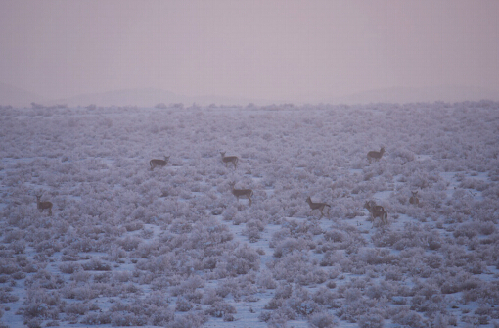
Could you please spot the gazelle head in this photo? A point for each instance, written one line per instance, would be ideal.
(368, 205)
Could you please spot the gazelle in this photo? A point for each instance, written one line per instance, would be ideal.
(244, 193)
(229, 159)
(414, 200)
(376, 212)
(158, 162)
(317, 206)
(43, 205)
(375, 155)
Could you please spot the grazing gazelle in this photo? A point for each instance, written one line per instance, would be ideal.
(317, 206)
(375, 155)
(158, 162)
(229, 159)
(414, 200)
(244, 193)
(376, 212)
(43, 205)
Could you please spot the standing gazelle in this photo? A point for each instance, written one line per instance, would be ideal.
(158, 162)
(317, 206)
(243, 193)
(43, 205)
(229, 159)
(375, 155)
(414, 200)
(376, 212)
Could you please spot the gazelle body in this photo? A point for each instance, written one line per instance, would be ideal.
(241, 193)
(376, 212)
(317, 206)
(375, 155)
(229, 159)
(414, 200)
(43, 205)
(158, 162)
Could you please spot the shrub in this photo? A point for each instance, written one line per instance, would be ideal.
(97, 318)
(371, 320)
(34, 323)
(210, 297)
(161, 316)
(220, 309)
(183, 305)
(69, 267)
(96, 265)
(243, 260)
(324, 296)
(266, 280)
(8, 267)
(409, 318)
(322, 320)
(469, 230)
(130, 243)
(127, 319)
(76, 308)
(189, 320)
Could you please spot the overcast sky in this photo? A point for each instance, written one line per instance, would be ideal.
(296, 50)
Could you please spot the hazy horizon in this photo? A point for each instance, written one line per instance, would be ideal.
(279, 50)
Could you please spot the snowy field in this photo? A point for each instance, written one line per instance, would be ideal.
(172, 247)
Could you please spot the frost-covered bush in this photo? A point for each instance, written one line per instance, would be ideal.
(324, 296)
(468, 230)
(297, 268)
(210, 296)
(253, 229)
(322, 320)
(371, 320)
(127, 319)
(242, 261)
(354, 307)
(409, 318)
(8, 266)
(266, 280)
(288, 246)
(70, 267)
(76, 308)
(97, 318)
(330, 258)
(96, 265)
(183, 305)
(189, 320)
(220, 309)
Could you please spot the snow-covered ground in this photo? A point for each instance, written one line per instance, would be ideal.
(172, 247)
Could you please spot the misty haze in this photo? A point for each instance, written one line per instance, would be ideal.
(249, 164)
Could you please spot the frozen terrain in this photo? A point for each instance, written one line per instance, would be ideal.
(172, 247)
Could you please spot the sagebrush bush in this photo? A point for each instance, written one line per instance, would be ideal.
(322, 320)
(371, 320)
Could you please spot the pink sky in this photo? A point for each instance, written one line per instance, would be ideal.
(296, 50)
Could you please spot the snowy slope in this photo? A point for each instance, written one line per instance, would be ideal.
(127, 245)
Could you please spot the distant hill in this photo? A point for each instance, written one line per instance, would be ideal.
(150, 97)
(17, 97)
(412, 95)
(146, 97)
